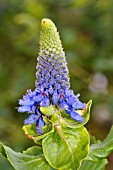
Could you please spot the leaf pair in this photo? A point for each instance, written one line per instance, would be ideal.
(33, 158)
(66, 144)
(60, 153)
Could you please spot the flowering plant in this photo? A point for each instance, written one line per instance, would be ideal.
(56, 117)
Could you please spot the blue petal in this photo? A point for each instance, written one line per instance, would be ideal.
(37, 111)
(64, 105)
(26, 102)
(57, 86)
(74, 115)
(40, 123)
(45, 84)
(45, 102)
(79, 105)
(33, 93)
(55, 98)
(30, 93)
(38, 98)
(46, 92)
(33, 108)
(61, 91)
(58, 77)
(31, 119)
(69, 109)
(71, 99)
(68, 92)
(52, 81)
(54, 72)
(50, 90)
(24, 109)
(40, 89)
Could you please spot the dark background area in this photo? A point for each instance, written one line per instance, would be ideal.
(86, 30)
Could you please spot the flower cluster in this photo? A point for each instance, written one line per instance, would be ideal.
(52, 81)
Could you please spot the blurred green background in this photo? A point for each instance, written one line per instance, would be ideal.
(86, 30)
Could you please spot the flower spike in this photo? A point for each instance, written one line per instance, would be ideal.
(52, 86)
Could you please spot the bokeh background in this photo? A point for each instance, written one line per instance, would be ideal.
(86, 30)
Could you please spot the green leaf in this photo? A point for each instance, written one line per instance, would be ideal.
(2, 151)
(31, 159)
(34, 150)
(66, 120)
(98, 152)
(66, 147)
(93, 140)
(92, 165)
(102, 149)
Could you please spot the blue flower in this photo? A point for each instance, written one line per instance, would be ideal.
(40, 123)
(31, 119)
(52, 84)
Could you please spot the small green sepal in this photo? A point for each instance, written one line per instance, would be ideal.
(48, 111)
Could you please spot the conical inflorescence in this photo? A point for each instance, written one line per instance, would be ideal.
(52, 81)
